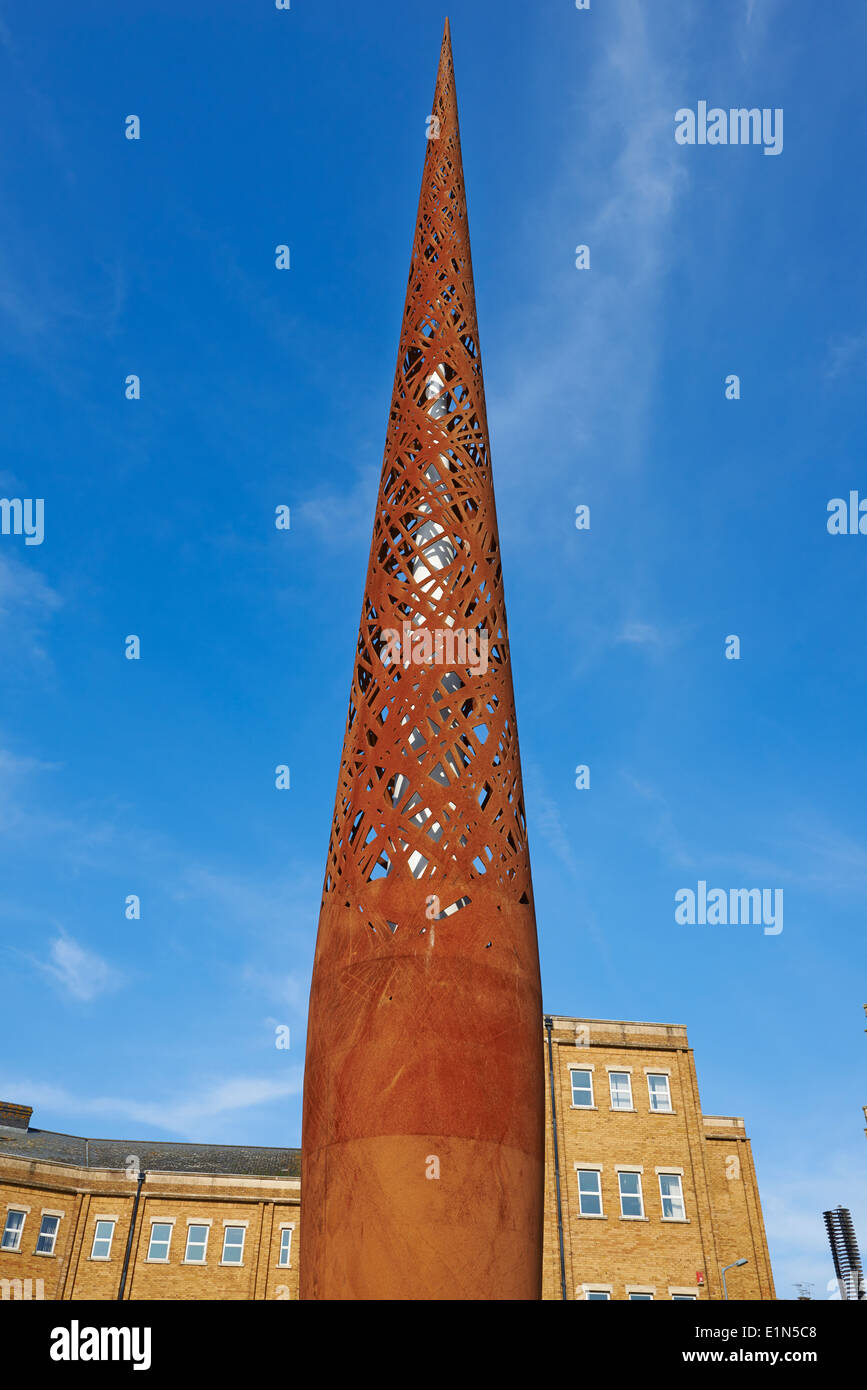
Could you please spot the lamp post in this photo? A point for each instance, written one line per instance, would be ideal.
(733, 1265)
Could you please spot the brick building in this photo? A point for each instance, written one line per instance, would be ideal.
(655, 1198)
(212, 1221)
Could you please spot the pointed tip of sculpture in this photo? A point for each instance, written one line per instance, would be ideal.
(445, 65)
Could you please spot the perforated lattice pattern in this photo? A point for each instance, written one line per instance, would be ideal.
(430, 792)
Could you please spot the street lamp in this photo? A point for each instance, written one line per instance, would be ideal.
(734, 1265)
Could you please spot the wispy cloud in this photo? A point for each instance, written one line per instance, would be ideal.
(759, 19)
(654, 638)
(269, 907)
(640, 634)
(38, 301)
(847, 353)
(27, 602)
(802, 849)
(629, 195)
(659, 825)
(545, 820)
(16, 775)
(289, 989)
(190, 1114)
(79, 973)
(338, 517)
(13, 767)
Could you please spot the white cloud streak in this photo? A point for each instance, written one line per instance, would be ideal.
(78, 972)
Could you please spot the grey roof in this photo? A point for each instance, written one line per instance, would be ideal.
(154, 1155)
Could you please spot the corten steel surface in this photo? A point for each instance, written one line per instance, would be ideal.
(424, 1043)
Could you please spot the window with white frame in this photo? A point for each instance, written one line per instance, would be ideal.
(671, 1192)
(659, 1090)
(589, 1192)
(582, 1088)
(640, 1297)
(233, 1244)
(197, 1244)
(285, 1245)
(47, 1235)
(631, 1201)
(683, 1298)
(103, 1236)
(12, 1230)
(161, 1239)
(620, 1083)
(597, 1296)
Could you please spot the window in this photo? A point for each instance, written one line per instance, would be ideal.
(672, 1197)
(102, 1238)
(233, 1245)
(621, 1090)
(660, 1093)
(12, 1230)
(582, 1088)
(601, 1292)
(589, 1192)
(631, 1203)
(47, 1235)
(683, 1298)
(285, 1245)
(161, 1238)
(640, 1297)
(197, 1244)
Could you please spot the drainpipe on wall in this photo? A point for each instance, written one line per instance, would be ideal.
(141, 1178)
(549, 1023)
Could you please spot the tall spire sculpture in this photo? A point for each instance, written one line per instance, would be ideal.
(423, 1137)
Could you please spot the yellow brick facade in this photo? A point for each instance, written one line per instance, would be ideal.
(604, 1251)
(262, 1207)
(674, 1257)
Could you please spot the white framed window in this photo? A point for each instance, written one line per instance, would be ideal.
(12, 1230)
(671, 1194)
(233, 1244)
(285, 1246)
(596, 1293)
(582, 1088)
(197, 1244)
(620, 1084)
(635, 1292)
(103, 1235)
(589, 1192)
(684, 1298)
(659, 1091)
(640, 1297)
(161, 1239)
(47, 1235)
(631, 1199)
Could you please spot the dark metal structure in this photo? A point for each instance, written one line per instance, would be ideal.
(844, 1252)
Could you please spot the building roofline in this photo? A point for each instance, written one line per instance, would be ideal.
(176, 1143)
(615, 1022)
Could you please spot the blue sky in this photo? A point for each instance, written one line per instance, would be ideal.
(263, 387)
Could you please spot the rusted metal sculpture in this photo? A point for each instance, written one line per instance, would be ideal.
(422, 1166)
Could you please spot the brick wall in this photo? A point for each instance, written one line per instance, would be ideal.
(649, 1253)
(261, 1207)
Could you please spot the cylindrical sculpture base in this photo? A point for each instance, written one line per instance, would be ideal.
(423, 1143)
(426, 1217)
